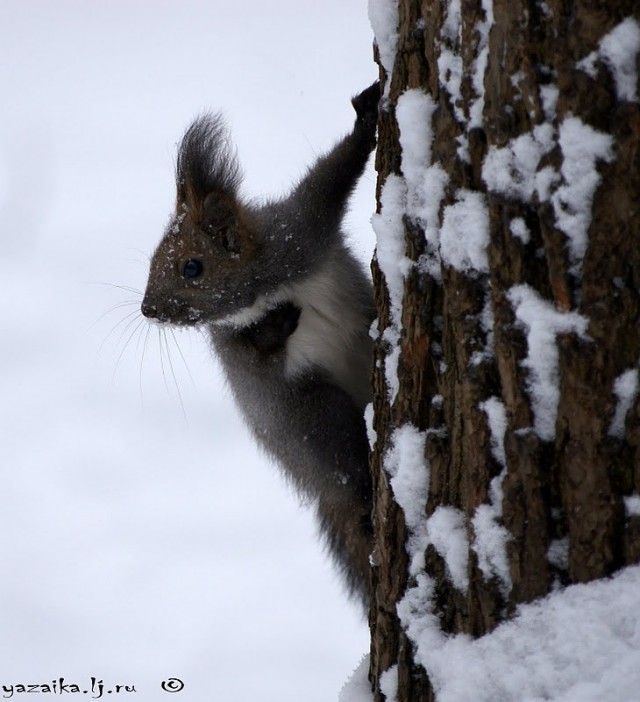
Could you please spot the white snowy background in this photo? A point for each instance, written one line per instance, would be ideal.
(139, 541)
(142, 536)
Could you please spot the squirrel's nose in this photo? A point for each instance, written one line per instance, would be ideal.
(149, 310)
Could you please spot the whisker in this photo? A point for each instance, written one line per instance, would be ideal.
(184, 360)
(124, 348)
(144, 352)
(113, 329)
(125, 288)
(144, 254)
(113, 308)
(164, 375)
(128, 325)
(173, 373)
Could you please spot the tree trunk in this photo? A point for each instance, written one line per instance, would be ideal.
(507, 278)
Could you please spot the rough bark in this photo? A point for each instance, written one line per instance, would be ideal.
(572, 485)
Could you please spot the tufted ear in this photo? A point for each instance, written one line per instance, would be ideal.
(207, 166)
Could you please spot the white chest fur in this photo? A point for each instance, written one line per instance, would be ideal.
(332, 331)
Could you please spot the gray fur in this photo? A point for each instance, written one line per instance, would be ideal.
(288, 310)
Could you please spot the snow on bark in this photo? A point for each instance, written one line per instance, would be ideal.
(511, 170)
(357, 687)
(445, 529)
(408, 469)
(434, 183)
(549, 97)
(577, 643)
(425, 181)
(519, 229)
(618, 50)
(414, 112)
(581, 147)
(542, 322)
(389, 684)
(581, 643)
(450, 61)
(417, 193)
(490, 536)
(497, 417)
(372, 435)
(625, 389)
(447, 532)
(464, 236)
(451, 68)
(558, 553)
(390, 253)
(480, 64)
(384, 18)
(632, 505)
(486, 322)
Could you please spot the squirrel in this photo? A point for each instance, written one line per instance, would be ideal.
(287, 308)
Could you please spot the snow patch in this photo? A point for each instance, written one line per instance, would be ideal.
(413, 113)
(549, 97)
(580, 644)
(435, 181)
(545, 179)
(625, 389)
(418, 194)
(389, 684)
(390, 253)
(581, 147)
(372, 435)
(519, 229)
(408, 469)
(449, 62)
(632, 505)
(490, 542)
(415, 612)
(511, 170)
(447, 532)
(392, 338)
(497, 416)
(452, 25)
(558, 553)
(618, 50)
(450, 75)
(464, 236)
(451, 66)
(542, 322)
(425, 182)
(486, 322)
(480, 64)
(384, 19)
(490, 536)
(357, 687)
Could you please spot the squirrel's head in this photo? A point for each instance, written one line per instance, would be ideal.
(198, 271)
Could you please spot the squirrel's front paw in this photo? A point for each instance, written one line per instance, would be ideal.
(366, 106)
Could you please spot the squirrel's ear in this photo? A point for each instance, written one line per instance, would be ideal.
(228, 223)
(207, 165)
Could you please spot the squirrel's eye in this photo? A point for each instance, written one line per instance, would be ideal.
(192, 268)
